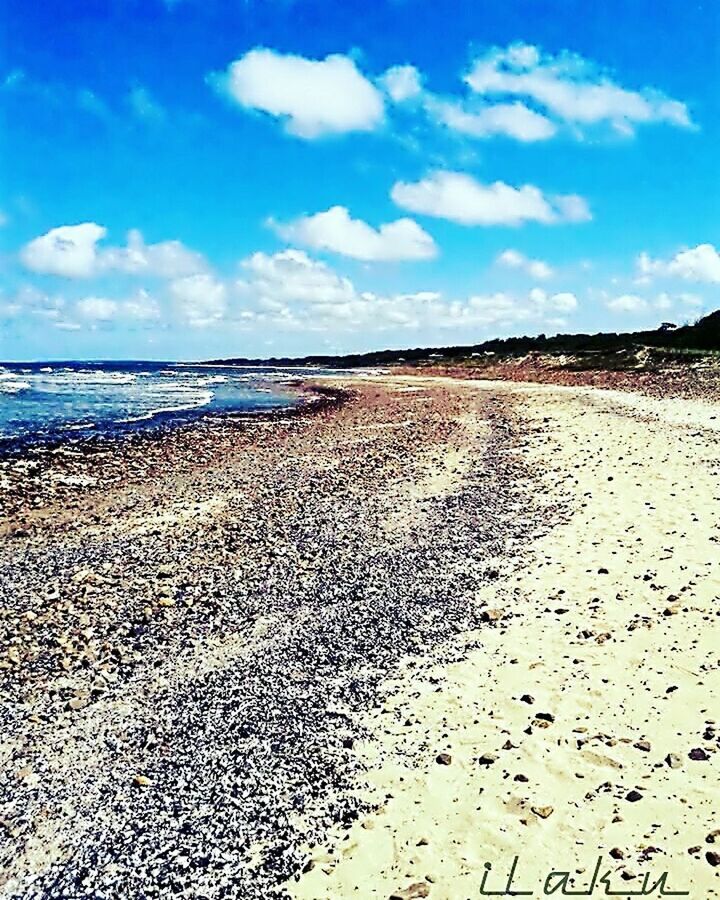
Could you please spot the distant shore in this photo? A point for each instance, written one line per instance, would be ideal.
(360, 652)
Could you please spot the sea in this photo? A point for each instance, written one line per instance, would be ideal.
(50, 402)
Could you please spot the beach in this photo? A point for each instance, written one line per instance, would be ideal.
(365, 650)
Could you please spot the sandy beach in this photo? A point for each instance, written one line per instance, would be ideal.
(438, 624)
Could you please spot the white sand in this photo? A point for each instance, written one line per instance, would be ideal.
(638, 675)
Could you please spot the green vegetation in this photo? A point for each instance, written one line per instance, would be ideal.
(588, 351)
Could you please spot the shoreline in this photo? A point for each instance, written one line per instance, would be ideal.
(253, 645)
(68, 460)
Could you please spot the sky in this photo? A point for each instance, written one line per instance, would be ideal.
(188, 179)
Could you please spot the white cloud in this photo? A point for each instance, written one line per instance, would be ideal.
(142, 306)
(314, 97)
(573, 208)
(565, 301)
(166, 259)
(201, 299)
(292, 291)
(460, 198)
(402, 83)
(536, 268)
(68, 250)
(97, 308)
(627, 303)
(514, 120)
(71, 251)
(561, 302)
(699, 264)
(145, 106)
(571, 88)
(335, 230)
(291, 276)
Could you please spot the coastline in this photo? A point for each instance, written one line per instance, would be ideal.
(42, 469)
(240, 654)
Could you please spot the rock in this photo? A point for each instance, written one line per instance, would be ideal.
(713, 837)
(698, 754)
(674, 761)
(547, 717)
(166, 601)
(603, 571)
(165, 571)
(142, 781)
(633, 796)
(542, 811)
(418, 889)
(443, 759)
(527, 698)
(617, 853)
(643, 745)
(492, 615)
(487, 759)
(77, 702)
(713, 858)
(521, 777)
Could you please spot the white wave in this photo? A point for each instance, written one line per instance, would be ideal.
(13, 387)
(69, 376)
(77, 426)
(203, 400)
(213, 379)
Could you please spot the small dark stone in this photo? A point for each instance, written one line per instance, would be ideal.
(617, 853)
(487, 759)
(443, 759)
(527, 698)
(713, 858)
(633, 796)
(698, 754)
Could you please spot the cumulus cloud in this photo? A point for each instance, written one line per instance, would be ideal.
(97, 308)
(313, 97)
(627, 303)
(564, 301)
(699, 264)
(72, 252)
(571, 88)
(201, 299)
(536, 268)
(166, 259)
(68, 250)
(291, 290)
(460, 198)
(93, 310)
(337, 231)
(402, 83)
(142, 307)
(514, 120)
(291, 276)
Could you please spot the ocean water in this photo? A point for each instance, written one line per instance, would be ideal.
(47, 402)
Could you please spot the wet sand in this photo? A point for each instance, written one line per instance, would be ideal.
(441, 624)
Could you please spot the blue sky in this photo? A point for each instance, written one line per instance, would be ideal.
(215, 177)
